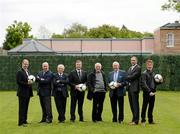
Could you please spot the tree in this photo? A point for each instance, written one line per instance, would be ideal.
(172, 5)
(76, 30)
(104, 31)
(54, 35)
(44, 33)
(15, 34)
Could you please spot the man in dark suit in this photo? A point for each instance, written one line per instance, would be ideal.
(117, 95)
(76, 77)
(44, 79)
(60, 92)
(97, 89)
(133, 78)
(148, 85)
(24, 92)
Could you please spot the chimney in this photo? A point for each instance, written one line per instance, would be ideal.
(177, 22)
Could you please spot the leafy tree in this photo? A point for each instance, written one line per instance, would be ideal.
(44, 33)
(15, 34)
(172, 5)
(54, 35)
(104, 31)
(76, 30)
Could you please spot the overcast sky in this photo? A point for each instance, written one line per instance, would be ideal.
(55, 15)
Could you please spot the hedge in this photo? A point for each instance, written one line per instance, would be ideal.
(167, 65)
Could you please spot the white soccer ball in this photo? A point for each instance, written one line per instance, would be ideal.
(82, 87)
(112, 85)
(31, 77)
(158, 78)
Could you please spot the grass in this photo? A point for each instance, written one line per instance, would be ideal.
(166, 115)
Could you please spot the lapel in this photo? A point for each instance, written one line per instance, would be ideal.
(134, 69)
(25, 74)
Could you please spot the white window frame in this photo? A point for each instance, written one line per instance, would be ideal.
(170, 42)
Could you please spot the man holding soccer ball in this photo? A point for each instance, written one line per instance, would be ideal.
(97, 89)
(117, 93)
(24, 92)
(77, 77)
(148, 84)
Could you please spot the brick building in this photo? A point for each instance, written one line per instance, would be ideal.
(166, 40)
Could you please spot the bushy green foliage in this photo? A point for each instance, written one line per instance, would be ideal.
(168, 66)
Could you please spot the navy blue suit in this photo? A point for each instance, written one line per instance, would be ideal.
(44, 80)
(60, 93)
(117, 95)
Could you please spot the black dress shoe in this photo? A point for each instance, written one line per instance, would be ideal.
(63, 121)
(22, 125)
(72, 120)
(26, 122)
(82, 120)
(48, 121)
(114, 120)
(42, 121)
(152, 122)
(100, 119)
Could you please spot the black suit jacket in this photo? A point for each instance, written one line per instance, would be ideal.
(24, 89)
(148, 84)
(133, 78)
(60, 84)
(74, 80)
(91, 83)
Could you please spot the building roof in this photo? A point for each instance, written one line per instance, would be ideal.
(175, 25)
(31, 46)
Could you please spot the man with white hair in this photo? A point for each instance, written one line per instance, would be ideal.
(118, 92)
(97, 90)
(60, 92)
(44, 79)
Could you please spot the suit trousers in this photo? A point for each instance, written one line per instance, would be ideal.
(45, 102)
(23, 109)
(78, 98)
(147, 100)
(120, 100)
(98, 100)
(134, 105)
(60, 102)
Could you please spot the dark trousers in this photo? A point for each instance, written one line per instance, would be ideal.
(147, 100)
(120, 100)
(98, 100)
(79, 97)
(60, 102)
(45, 102)
(134, 105)
(23, 109)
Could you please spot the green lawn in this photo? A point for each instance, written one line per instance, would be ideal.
(166, 113)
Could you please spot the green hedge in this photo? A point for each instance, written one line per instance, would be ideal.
(168, 66)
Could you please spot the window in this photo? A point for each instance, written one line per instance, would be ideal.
(170, 40)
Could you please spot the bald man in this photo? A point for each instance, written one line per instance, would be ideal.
(60, 92)
(44, 79)
(133, 78)
(97, 89)
(24, 92)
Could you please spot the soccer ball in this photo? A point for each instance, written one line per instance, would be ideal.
(31, 77)
(158, 78)
(82, 87)
(113, 85)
